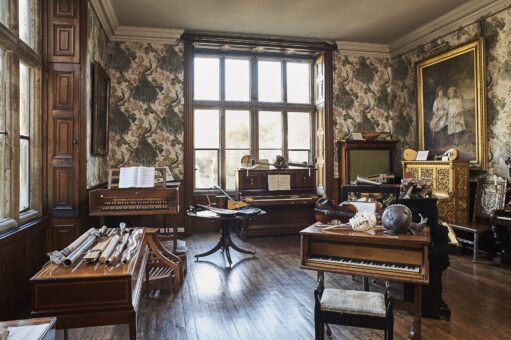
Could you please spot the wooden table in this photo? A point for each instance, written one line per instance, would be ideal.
(33, 329)
(225, 241)
(91, 295)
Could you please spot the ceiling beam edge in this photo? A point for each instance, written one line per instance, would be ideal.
(146, 34)
(461, 16)
(363, 49)
(106, 15)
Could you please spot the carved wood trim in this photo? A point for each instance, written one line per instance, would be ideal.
(63, 35)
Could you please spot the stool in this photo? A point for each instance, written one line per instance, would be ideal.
(352, 308)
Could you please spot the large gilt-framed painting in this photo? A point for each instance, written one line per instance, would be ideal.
(452, 103)
(100, 110)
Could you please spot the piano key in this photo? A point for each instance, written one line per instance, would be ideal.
(367, 263)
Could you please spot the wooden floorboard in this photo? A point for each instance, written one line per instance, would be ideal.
(270, 297)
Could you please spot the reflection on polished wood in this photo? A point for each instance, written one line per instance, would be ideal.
(270, 297)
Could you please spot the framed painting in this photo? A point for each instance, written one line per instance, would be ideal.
(100, 110)
(452, 103)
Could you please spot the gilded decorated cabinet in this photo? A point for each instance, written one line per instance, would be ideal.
(449, 176)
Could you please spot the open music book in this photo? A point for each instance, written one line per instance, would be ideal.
(136, 177)
(279, 182)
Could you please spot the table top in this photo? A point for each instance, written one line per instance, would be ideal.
(213, 215)
(422, 238)
(35, 328)
(82, 270)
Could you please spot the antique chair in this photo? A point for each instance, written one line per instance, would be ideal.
(352, 308)
(501, 222)
(164, 270)
(490, 196)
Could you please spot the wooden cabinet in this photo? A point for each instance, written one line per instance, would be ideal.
(65, 40)
(365, 158)
(287, 211)
(22, 253)
(449, 176)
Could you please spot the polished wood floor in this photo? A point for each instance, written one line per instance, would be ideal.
(270, 297)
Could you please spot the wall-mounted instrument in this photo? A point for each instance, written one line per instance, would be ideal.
(248, 162)
(326, 211)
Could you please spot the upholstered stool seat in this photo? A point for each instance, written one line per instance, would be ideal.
(353, 302)
(352, 308)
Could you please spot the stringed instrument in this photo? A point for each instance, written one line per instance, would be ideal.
(326, 211)
(249, 161)
(231, 202)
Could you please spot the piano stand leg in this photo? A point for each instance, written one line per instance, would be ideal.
(328, 330)
(66, 334)
(133, 330)
(415, 332)
(365, 284)
(228, 255)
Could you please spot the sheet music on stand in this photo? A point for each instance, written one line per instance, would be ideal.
(279, 182)
(136, 177)
(140, 177)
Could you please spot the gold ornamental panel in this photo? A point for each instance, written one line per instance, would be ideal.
(442, 180)
(427, 172)
(461, 180)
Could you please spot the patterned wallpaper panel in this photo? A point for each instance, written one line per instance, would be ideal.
(362, 96)
(146, 117)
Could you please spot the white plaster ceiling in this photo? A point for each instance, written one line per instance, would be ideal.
(371, 21)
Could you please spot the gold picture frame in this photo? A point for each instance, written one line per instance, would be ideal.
(451, 103)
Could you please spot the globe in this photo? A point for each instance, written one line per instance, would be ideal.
(397, 219)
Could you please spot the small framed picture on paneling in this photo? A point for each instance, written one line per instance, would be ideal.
(100, 110)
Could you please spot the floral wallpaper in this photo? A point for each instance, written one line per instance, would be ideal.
(497, 32)
(98, 46)
(146, 117)
(361, 95)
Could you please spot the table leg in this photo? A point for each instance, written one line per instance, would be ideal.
(365, 283)
(241, 250)
(476, 247)
(66, 335)
(133, 330)
(219, 245)
(415, 332)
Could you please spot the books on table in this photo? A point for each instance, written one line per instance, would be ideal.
(136, 177)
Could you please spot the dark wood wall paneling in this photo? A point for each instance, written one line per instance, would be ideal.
(65, 39)
(22, 254)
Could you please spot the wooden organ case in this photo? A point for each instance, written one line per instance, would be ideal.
(163, 265)
(365, 158)
(287, 211)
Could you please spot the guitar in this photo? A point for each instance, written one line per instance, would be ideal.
(231, 203)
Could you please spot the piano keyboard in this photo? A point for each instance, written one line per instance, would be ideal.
(366, 263)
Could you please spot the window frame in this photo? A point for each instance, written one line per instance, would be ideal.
(253, 106)
(17, 51)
